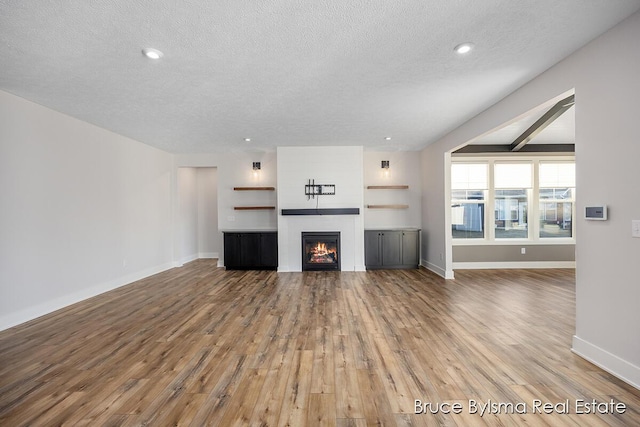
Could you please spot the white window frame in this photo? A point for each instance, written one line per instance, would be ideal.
(493, 189)
(533, 202)
(546, 240)
(485, 201)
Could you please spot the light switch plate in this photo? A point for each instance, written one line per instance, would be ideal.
(635, 228)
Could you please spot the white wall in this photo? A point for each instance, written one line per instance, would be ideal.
(340, 166)
(187, 215)
(231, 170)
(404, 170)
(236, 171)
(209, 237)
(84, 210)
(198, 235)
(435, 251)
(605, 77)
(607, 153)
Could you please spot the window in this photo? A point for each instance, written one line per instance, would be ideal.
(512, 185)
(468, 195)
(540, 188)
(557, 188)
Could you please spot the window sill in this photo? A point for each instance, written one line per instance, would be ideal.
(512, 242)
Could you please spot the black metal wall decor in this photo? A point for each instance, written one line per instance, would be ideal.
(311, 189)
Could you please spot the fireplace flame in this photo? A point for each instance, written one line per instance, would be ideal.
(321, 249)
(321, 253)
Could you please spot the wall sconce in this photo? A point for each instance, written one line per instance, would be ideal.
(256, 169)
(385, 167)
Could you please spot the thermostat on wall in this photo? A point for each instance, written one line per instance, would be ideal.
(598, 213)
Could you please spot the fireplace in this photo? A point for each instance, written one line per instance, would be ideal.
(320, 251)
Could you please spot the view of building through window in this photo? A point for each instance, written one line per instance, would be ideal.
(510, 188)
(468, 194)
(512, 184)
(557, 188)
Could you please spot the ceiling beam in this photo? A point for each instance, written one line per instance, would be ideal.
(544, 121)
(503, 148)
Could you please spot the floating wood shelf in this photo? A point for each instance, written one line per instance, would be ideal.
(253, 208)
(387, 187)
(254, 188)
(387, 206)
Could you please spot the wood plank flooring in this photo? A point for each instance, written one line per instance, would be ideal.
(198, 346)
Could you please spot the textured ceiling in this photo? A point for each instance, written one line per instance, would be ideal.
(343, 72)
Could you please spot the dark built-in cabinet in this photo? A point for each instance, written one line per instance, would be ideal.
(251, 250)
(391, 248)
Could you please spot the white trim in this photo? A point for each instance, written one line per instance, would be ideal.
(208, 255)
(548, 241)
(533, 197)
(515, 264)
(448, 236)
(445, 274)
(188, 258)
(200, 255)
(30, 313)
(626, 371)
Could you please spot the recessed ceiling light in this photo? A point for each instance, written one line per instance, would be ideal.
(152, 53)
(463, 48)
(247, 140)
(388, 138)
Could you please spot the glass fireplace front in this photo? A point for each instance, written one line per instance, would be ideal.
(320, 251)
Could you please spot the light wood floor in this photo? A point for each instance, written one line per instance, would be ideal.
(202, 346)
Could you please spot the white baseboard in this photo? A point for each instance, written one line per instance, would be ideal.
(208, 255)
(507, 265)
(199, 255)
(21, 316)
(445, 274)
(626, 371)
(188, 258)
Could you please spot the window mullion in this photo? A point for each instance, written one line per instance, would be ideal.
(534, 218)
(489, 206)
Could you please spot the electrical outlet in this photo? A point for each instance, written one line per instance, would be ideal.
(523, 251)
(441, 257)
(635, 228)
(231, 218)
